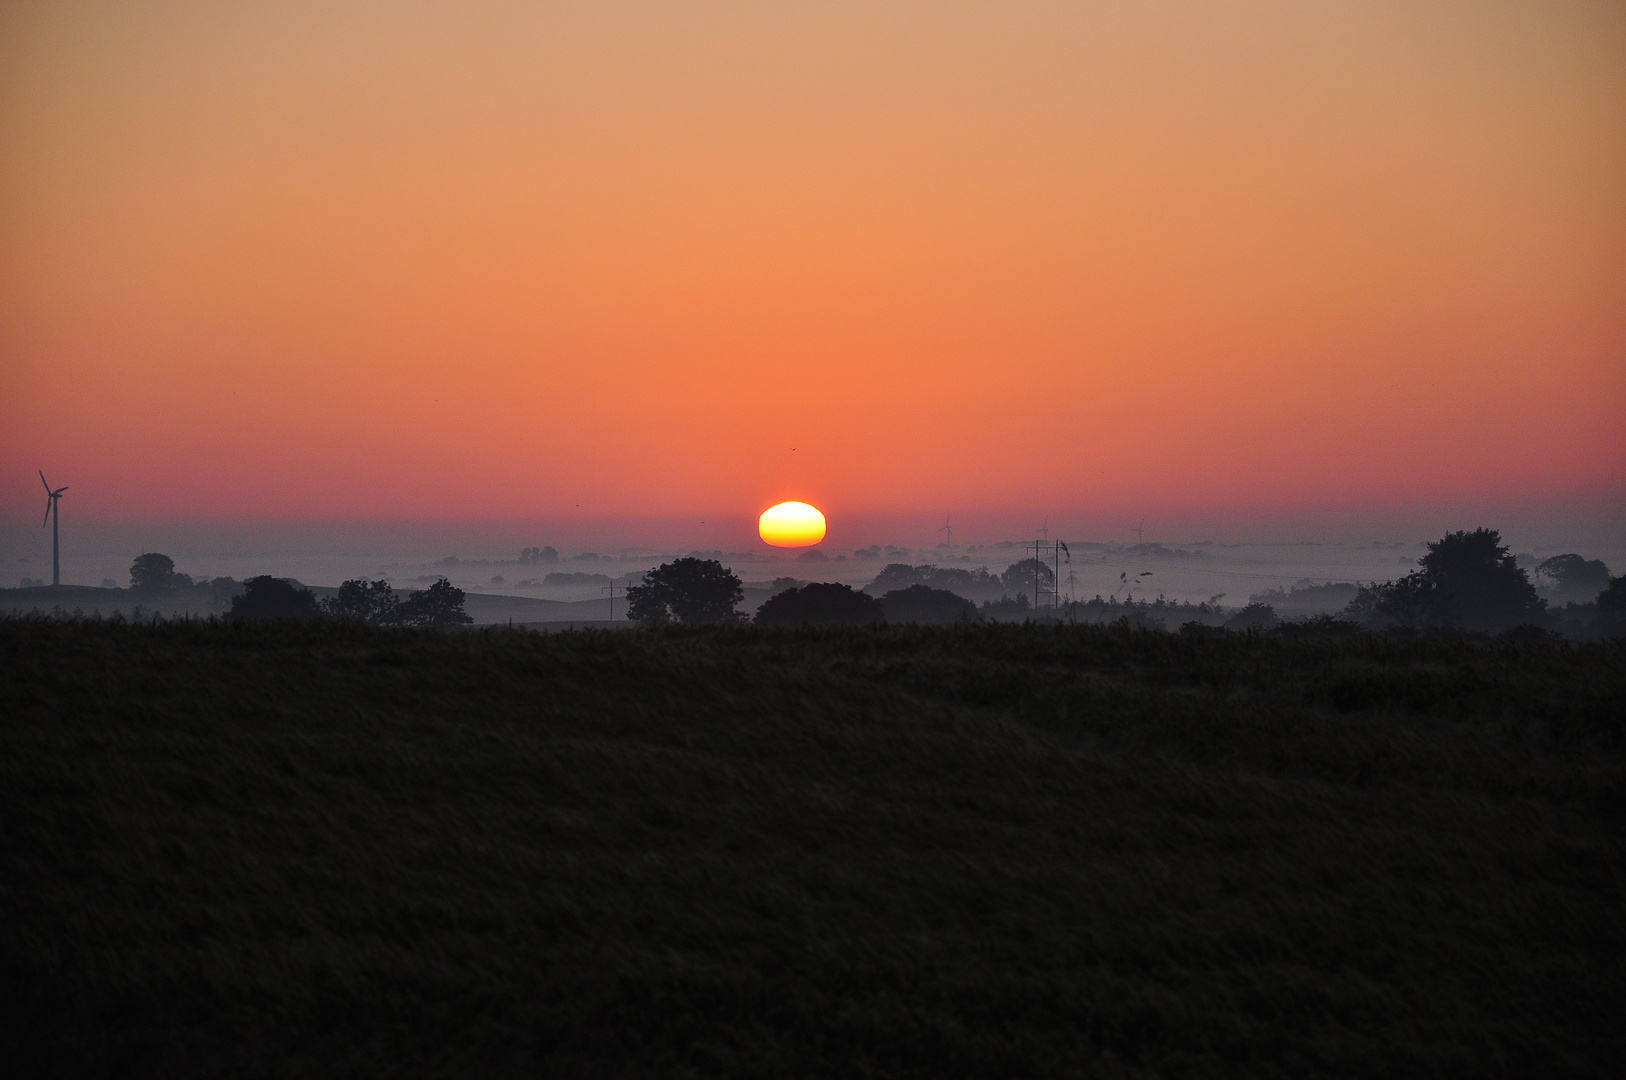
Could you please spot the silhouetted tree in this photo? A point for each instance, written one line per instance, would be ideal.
(821, 604)
(927, 606)
(1612, 600)
(898, 576)
(1019, 575)
(439, 607)
(690, 590)
(266, 597)
(1573, 579)
(1467, 580)
(1611, 620)
(359, 600)
(902, 575)
(1477, 584)
(153, 574)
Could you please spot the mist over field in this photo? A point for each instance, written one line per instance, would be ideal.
(1179, 556)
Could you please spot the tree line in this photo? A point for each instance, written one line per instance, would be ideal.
(1467, 581)
(358, 600)
(703, 591)
(265, 597)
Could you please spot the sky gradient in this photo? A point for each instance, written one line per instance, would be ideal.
(348, 261)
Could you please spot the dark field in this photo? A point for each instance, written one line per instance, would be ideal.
(991, 851)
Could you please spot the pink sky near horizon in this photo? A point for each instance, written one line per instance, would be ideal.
(399, 262)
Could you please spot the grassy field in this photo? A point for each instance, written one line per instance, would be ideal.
(983, 851)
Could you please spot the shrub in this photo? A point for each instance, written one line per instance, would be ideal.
(265, 598)
(927, 606)
(822, 604)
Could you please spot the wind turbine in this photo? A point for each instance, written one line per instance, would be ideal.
(51, 516)
(948, 527)
(1140, 532)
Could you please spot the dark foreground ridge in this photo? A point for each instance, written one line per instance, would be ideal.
(328, 849)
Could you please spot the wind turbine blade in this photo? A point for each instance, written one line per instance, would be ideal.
(57, 494)
(42, 480)
(47, 520)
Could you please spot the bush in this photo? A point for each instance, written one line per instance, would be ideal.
(928, 607)
(265, 598)
(821, 604)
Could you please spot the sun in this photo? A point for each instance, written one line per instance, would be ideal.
(791, 524)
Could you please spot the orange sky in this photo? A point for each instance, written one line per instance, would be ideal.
(416, 261)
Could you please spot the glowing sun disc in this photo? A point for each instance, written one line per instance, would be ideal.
(791, 524)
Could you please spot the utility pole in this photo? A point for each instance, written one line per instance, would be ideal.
(1055, 599)
(1072, 580)
(1036, 565)
(611, 588)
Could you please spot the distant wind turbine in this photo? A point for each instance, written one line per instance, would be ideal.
(948, 527)
(1140, 532)
(51, 516)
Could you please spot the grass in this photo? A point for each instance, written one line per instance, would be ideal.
(983, 851)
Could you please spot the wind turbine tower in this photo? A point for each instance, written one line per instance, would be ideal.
(948, 527)
(1140, 532)
(51, 516)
